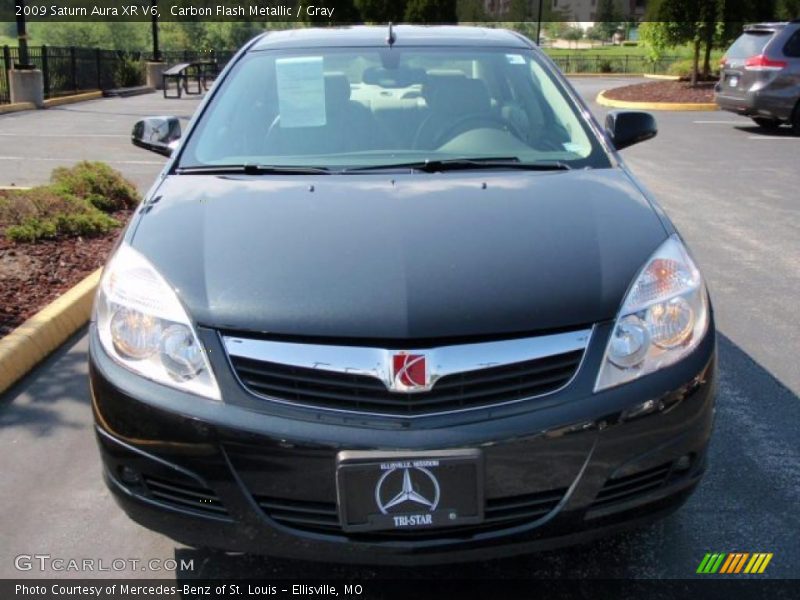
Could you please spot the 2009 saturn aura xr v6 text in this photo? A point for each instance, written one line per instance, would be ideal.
(396, 298)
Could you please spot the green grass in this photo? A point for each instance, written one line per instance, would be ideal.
(611, 51)
(617, 51)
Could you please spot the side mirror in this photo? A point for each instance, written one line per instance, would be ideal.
(626, 128)
(157, 134)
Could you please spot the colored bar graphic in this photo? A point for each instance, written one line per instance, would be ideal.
(733, 562)
(741, 562)
(711, 562)
(704, 563)
(729, 563)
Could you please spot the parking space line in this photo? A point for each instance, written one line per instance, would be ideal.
(721, 122)
(773, 137)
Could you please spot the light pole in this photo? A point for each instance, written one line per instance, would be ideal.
(154, 27)
(22, 37)
(539, 23)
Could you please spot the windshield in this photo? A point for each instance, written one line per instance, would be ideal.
(371, 107)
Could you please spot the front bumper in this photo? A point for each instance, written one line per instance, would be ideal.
(224, 475)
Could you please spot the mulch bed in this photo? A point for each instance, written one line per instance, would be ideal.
(34, 274)
(664, 91)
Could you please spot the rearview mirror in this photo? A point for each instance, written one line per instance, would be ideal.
(157, 134)
(626, 128)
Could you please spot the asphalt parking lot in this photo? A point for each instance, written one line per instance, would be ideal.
(732, 190)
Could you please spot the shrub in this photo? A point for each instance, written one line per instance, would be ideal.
(681, 68)
(31, 230)
(48, 212)
(129, 72)
(605, 66)
(630, 43)
(98, 184)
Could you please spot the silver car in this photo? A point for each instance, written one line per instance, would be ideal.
(760, 75)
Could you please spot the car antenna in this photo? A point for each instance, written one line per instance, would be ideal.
(390, 38)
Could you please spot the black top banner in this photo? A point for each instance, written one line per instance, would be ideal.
(334, 12)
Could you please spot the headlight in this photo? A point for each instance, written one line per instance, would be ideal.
(663, 318)
(143, 326)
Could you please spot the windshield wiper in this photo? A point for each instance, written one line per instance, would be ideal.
(464, 164)
(252, 170)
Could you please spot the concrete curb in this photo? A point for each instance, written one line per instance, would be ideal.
(674, 106)
(16, 107)
(663, 77)
(51, 102)
(36, 338)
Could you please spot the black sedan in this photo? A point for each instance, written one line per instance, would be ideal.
(396, 298)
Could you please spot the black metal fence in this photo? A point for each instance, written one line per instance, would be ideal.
(627, 63)
(72, 70)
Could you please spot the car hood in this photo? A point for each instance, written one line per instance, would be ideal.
(411, 256)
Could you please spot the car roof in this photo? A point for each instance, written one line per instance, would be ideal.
(405, 35)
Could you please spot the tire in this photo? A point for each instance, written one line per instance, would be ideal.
(796, 120)
(766, 123)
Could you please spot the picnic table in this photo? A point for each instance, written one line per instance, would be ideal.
(190, 78)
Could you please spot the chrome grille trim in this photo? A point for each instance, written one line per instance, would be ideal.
(376, 363)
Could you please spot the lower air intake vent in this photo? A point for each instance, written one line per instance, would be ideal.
(622, 489)
(500, 513)
(185, 497)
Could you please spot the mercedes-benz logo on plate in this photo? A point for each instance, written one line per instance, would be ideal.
(404, 489)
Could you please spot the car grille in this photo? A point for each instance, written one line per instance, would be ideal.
(179, 495)
(622, 489)
(500, 513)
(483, 387)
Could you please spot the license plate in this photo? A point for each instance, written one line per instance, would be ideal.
(404, 491)
(733, 81)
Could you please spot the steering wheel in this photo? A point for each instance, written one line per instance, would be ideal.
(469, 122)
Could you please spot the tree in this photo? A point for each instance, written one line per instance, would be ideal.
(573, 34)
(381, 11)
(789, 9)
(608, 18)
(431, 11)
(473, 11)
(676, 22)
(555, 30)
(704, 24)
(596, 33)
(228, 35)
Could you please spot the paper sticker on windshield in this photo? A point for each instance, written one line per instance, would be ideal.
(515, 59)
(301, 91)
(572, 147)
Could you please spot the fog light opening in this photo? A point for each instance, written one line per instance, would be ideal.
(130, 476)
(684, 463)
